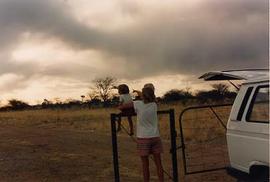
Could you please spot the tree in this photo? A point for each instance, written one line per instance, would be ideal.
(104, 86)
(46, 104)
(17, 104)
(221, 88)
(174, 95)
(94, 102)
(92, 94)
(219, 93)
(206, 96)
(187, 92)
(178, 95)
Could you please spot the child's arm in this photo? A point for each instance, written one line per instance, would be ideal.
(138, 92)
(126, 106)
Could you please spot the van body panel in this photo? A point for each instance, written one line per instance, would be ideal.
(247, 148)
(248, 142)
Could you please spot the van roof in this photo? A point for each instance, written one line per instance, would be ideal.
(257, 80)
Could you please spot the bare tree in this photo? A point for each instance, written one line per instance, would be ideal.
(187, 91)
(17, 104)
(104, 86)
(221, 88)
(92, 94)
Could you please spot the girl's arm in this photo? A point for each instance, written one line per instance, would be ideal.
(121, 103)
(126, 106)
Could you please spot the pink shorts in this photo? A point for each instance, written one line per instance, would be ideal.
(128, 112)
(147, 146)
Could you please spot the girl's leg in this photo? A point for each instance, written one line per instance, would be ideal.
(131, 132)
(145, 165)
(119, 124)
(157, 159)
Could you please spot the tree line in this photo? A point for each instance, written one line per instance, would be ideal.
(101, 95)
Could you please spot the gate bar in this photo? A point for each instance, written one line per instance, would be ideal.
(173, 145)
(115, 149)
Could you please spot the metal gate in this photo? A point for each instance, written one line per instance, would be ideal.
(203, 138)
(171, 114)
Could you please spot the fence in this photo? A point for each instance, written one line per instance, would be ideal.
(203, 138)
(173, 152)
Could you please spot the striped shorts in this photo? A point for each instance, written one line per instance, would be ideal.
(147, 146)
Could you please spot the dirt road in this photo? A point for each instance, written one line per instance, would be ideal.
(45, 154)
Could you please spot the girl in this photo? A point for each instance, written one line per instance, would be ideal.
(148, 137)
(125, 98)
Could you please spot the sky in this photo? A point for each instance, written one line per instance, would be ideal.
(55, 48)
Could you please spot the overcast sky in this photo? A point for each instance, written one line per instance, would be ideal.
(54, 48)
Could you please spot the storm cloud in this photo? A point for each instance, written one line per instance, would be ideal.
(176, 37)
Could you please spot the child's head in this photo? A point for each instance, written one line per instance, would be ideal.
(149, 85)
(123, 89)
(148, 95)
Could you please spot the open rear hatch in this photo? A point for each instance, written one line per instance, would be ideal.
(246, 74)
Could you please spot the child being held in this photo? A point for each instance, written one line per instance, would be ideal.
(125, 98)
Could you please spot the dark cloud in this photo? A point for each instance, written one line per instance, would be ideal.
(211, 35)
(214, 35)
(49, 17)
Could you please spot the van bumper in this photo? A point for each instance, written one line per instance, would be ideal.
(237, 173)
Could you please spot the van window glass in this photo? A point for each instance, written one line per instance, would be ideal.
(259, 110)
(244, 103)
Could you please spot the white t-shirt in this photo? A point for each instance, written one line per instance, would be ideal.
(125, 98)
(147, 120)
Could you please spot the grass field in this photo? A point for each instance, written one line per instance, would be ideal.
(75, 145)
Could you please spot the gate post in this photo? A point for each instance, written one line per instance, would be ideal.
(173, 145)
(114, 147)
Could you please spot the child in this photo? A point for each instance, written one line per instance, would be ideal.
(125, 98)
(148, 137)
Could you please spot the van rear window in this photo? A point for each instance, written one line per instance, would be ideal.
(259, 107)
(244, 104)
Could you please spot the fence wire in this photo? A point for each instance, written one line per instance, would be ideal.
(204, 138)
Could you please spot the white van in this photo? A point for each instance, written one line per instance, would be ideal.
(248, 125)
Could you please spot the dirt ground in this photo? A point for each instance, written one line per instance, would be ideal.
(48, 154)
(45, 153)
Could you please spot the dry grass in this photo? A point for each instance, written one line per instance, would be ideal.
(99, 119)
(82, 119)
(73, 136)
